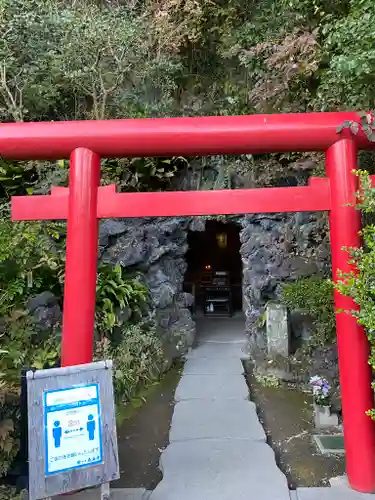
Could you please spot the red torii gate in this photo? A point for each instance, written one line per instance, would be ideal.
(84, 202)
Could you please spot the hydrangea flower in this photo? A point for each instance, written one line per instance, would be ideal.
(321, 390)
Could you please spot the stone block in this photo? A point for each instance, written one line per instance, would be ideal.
(277, 327)
(213, 366)
(210, 387)
(212, 350)
(218, 419)
(323, 418)
(220, 470)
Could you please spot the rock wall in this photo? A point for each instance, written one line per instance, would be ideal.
(278, 248)
(275, 248)
(156, 247)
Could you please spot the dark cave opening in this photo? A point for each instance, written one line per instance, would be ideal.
(215, 269)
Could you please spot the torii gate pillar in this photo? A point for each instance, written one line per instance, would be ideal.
(352, 344)
(81, 258)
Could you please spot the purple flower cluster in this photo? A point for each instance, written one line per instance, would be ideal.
(321, 390)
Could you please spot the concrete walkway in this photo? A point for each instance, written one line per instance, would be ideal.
(218, 448)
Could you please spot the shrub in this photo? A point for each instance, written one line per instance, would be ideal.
(114, 293)
(21, 346)
(315, 297)
(7, 493)
(138, 359)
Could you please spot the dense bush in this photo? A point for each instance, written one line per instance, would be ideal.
(138, 358)
(315, 297)
(11, 494)
(21, 346)
(32, 260)
(116, 293)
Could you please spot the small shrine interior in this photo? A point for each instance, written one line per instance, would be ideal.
(214, 272)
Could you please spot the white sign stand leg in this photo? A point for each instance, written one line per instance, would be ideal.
(104, 491)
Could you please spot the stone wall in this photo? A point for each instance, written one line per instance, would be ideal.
(275, 249)
(157, 248)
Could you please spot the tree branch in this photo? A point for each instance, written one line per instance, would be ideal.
(14, 108)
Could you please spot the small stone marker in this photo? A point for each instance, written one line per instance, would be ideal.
(277, 328)
(71, 430)
(323, 418)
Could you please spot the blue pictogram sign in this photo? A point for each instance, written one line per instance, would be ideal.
(73, 435)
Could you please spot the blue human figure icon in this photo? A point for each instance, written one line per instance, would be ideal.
(57, 433)
(91, 427)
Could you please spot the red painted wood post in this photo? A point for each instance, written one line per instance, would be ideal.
(353, 348)
(81, 258)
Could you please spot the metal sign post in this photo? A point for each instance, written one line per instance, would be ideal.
(72, 435)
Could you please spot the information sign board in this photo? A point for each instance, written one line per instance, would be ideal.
(72, 426)
(72, 439)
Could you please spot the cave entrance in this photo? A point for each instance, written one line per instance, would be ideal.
(214, 269)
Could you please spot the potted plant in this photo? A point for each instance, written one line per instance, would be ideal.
(321, 392)
(321, 389)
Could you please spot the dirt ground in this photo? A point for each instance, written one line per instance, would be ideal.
(286, 415)
(143, 435)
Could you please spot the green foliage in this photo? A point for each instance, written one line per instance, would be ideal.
(89, 60)
(16, 178)
(86, 59)
(359, 283)
(78, 61)
(138, 359)
(348, 45)
(142, 174)
(315, 12)
(30, 260)
(21, 346)
(83, 59)
(8, 493)
(365, 124)
(114, 293)
(315, 297)
(268, 380)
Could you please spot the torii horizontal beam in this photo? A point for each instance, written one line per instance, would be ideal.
(314, 197)
(207, 135)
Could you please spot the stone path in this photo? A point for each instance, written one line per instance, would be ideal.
(218, 448)
(116, 494)
(334, 493)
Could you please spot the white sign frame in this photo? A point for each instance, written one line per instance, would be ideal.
(41, 386)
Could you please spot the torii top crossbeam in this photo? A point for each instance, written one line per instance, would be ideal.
(84, 202)
(228, 135)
